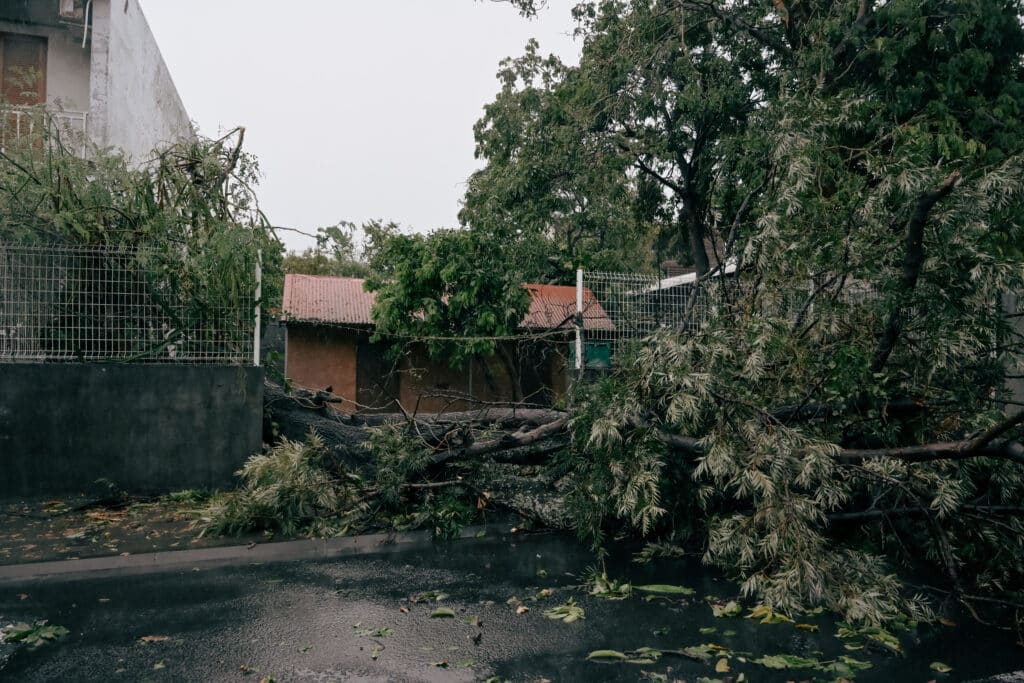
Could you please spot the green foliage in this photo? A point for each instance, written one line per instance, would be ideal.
(334, 254)
(446, 515)
(861, 164)
(292, 489)
(34, 635)
(450, 290)
(550, 188)
(568, 613)
(400, 456)
(192, 207)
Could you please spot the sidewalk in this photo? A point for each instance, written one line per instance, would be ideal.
(233, 555)
(79, 527)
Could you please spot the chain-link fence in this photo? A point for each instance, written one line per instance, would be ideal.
(68, 303)
(638, 305)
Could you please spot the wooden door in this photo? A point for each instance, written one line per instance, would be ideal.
(376, 377)
(22, 79)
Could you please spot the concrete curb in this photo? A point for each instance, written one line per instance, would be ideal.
(237, 555)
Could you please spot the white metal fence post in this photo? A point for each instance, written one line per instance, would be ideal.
(256, 312)
(579, 321)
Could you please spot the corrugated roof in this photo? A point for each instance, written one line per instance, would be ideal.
(344, 301)
(331, 300)
(554, 306)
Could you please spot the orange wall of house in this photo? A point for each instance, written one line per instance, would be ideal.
(484, 379)
(320, 357)
(421, 377)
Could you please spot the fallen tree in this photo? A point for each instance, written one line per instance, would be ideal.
(404, 458)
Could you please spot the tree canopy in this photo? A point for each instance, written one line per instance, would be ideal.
(841, 415)
(188, 215)
(452, 290)
(334, 254)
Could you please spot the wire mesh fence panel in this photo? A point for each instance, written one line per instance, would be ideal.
(638, 305)
(65, 303)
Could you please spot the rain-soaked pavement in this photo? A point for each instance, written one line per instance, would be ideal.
(350, 619)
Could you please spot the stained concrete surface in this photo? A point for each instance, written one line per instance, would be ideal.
(308, 621)
(145, 428)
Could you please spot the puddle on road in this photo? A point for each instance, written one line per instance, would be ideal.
(672, 622)
(468, 610)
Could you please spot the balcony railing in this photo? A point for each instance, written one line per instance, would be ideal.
(34, 124)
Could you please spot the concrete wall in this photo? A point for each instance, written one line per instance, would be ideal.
(135, 105)
(67, 64)
(148, 428)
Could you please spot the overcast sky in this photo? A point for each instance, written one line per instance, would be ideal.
(356, 109)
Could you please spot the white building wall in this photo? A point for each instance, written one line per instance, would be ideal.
(136, 106)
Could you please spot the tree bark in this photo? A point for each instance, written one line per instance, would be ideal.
(913, 259)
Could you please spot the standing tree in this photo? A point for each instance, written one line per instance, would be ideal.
(334, 254)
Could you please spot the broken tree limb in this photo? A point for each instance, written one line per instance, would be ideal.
(874, 514)
(913, 259)
(505, 442)
(955, 450)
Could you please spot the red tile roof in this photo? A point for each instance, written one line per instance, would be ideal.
(344, 301)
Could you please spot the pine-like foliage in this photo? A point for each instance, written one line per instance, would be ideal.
(190, 211)
(839, 418)
(291, 489)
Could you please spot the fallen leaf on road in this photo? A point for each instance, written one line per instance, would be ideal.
(154, 639)
(606, 655)
(729, 609)
(664, 589)
(522, 609)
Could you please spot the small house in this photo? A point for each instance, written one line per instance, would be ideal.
(328, 345)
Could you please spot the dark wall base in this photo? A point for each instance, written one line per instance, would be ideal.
(147, 428)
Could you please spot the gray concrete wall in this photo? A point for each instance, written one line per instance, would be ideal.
(135, 105)
(148, 428)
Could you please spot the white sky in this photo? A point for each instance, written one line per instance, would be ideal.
(356, 109)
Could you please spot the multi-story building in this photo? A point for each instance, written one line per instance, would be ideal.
(96, 67)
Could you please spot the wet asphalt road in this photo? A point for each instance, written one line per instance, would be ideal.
(350, 619)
